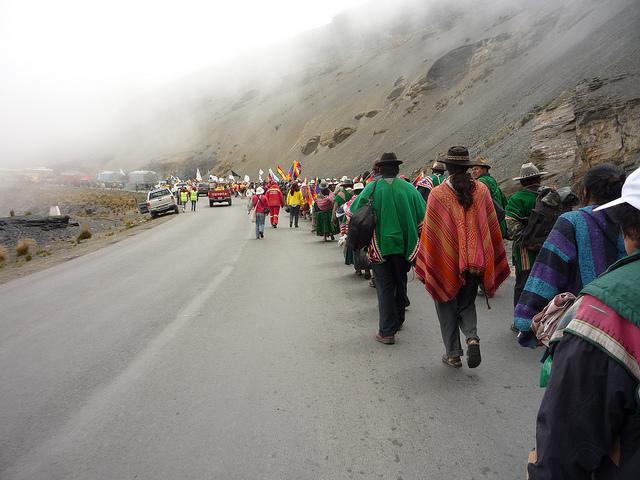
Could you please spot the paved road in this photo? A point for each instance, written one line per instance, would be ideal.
(193, 351)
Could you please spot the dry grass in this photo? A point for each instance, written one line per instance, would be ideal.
(23, 246)
(3, 253)
(85, 233)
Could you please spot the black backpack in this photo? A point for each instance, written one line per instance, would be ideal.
(362, 224)
(550, 204)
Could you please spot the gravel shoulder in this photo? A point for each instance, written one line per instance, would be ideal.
(110, 216)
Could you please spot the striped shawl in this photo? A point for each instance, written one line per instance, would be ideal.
(454, 241)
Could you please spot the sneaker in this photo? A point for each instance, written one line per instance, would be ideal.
(514, 329)
(385, 340)
(372, 283)
(261, 234)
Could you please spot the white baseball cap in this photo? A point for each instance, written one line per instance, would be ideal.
(630, 193)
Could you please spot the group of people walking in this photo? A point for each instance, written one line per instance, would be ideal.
(576, 292)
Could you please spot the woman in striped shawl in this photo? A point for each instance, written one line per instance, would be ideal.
(581, 246)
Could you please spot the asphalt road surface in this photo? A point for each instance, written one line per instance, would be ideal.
(194, 351)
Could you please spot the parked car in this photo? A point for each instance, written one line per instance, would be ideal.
(160, 201)
(219, 193)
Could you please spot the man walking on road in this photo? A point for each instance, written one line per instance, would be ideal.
(276, 201)
(184, 196)
(399, 212)
(194, 199)
(518, 211)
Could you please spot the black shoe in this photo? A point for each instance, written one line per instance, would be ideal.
(473, 355)
(261, 234)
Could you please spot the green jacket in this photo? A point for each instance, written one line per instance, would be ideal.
(517, 213)
(618, 288)
(400, 212)
(497, 196)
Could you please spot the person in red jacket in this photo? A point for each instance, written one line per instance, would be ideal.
(275, 199)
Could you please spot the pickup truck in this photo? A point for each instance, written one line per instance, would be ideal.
(160, 201)
(219, 194)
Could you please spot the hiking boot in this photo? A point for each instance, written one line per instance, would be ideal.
(385, 340)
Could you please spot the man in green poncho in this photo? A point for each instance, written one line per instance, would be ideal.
(400, 212)
(517, 213)
(480, 172)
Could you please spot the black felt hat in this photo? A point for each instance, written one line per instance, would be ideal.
(388, 159)
(457, 155)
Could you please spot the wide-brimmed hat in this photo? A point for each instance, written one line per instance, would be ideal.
(481, 162)
(358, 186)
(529, 170)
(457, 155)
(346, 182)
(438, 166)
(259, 190)
(388, 159)
(323, 185)
(630, 193)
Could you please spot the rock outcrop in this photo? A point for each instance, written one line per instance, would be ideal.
(311, 145)
(337, 136)
(597, 122)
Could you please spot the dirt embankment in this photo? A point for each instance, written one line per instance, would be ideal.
(26, 245)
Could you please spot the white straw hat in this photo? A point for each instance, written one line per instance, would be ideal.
(259, 190)
(529, 170)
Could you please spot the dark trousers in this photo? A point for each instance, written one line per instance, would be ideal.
(391, 287)
(294, 215)
(458, 315)
(521, 281)
(193, 205)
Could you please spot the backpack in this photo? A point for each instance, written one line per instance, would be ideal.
(362, 224)
(550, 204)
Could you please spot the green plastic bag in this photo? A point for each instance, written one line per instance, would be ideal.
(545, 372)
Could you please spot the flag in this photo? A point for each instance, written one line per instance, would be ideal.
(297, 169)
(235, 174)
(198, 176)
(260, 173)
(291, 172)
(247, 179)
(418, 178)
(281, 172)
(273, 176)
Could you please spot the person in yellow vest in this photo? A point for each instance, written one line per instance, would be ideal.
(184, 197)
(194, 198)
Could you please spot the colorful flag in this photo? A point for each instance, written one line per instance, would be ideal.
(418, 178)
(296, 168)
(281, 172)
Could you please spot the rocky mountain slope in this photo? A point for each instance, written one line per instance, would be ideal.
(554, 81)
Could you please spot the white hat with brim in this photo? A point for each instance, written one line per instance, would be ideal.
(529, 170)
(630, 193)
(358, 186)
(259, 190)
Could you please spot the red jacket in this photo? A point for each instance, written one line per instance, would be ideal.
(260, 203)
(275, 197)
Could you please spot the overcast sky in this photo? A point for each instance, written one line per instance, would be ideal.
(66, 65)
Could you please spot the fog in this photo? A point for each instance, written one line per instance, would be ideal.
(68, 68)
(122, 83)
